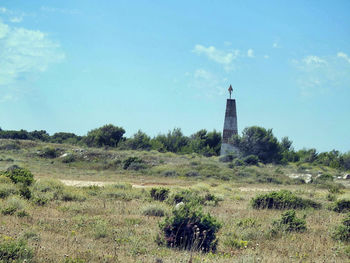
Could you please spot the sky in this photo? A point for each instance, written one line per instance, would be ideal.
(75, 65)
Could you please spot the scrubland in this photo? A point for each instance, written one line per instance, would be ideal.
(120, 222)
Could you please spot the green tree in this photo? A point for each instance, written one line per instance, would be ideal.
(260, 142)
(107, 135)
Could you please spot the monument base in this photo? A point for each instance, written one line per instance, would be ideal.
(227, 148)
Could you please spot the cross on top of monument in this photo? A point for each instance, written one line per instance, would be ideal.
(230, 89)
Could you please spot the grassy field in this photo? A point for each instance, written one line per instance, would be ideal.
(61, 223)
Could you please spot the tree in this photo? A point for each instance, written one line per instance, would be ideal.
(107, 135)
(260, 142)
(139, 141)
(174, 141)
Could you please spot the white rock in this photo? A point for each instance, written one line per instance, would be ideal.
(179, 205)
(64, 155)
(346, 177)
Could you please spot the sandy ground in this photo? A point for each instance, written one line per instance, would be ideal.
(78, 183)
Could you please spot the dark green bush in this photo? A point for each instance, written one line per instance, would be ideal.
(132, 163)
(15, 251)
(342, 232)
(70, 158)
(237, 162)
(190, 229)
(25, 192)
(251, 159)
(282, 200)
(49, 152)
(159, 194)
(290, 223)
(19, 175)
(193, 197)
(342, 206)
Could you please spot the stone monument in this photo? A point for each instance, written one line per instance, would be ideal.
(230, 125)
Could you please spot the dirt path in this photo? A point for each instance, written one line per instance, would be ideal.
(79, 183)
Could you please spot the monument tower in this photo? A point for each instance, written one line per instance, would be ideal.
(230, 125)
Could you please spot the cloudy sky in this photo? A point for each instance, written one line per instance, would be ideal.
(155, 65)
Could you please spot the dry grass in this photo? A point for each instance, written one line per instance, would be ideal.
(109, 226)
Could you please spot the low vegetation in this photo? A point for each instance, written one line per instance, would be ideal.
(282, 200)
(176, 207)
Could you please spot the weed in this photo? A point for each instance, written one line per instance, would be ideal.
(342, 232)
(15, 251)
(290, 223)
(153, 210)
(7, 190)
(159, 194)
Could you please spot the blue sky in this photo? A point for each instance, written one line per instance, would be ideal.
(155, 65)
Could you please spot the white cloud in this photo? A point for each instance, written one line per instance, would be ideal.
(250, 53)
(275, 45)
(3, 10)
(221, 57)
(320, 74)
(206, 84)
(16, 19)
(24, 52)
(266, 56)
(314, 60)
(216, 55)
(344, 56)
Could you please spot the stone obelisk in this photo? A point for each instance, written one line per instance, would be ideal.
(230, 125)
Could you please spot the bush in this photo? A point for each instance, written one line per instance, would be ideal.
(7, 190)
(159, 194)
(342, 206)
(153, 210)
(131, 163)
(70, 158)
(290, 223)
(193, 197)
(282, 200)
(251, 160)
(72, 195)
(25, 192)
(189, 228)
(12, 205)
(19, 175)
(237, 162)
(342, 232)
(50, 153)
(15, 251)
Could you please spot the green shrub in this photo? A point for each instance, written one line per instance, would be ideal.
(193, 197)
(50, 153)
(19, 175)
(100, 228)
(15, 251)
(342, 232)
(25, 192)
(282, 200)
(236, 162)
(290, 223)
(342, 206)
(189, 228)
(133, 163)
(251, 159)
(159, 194)
(7, 190)
(70, 158)
(12, 205)
(153, 210)
(42, 199)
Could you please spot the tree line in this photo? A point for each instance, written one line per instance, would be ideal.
(256, 144)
